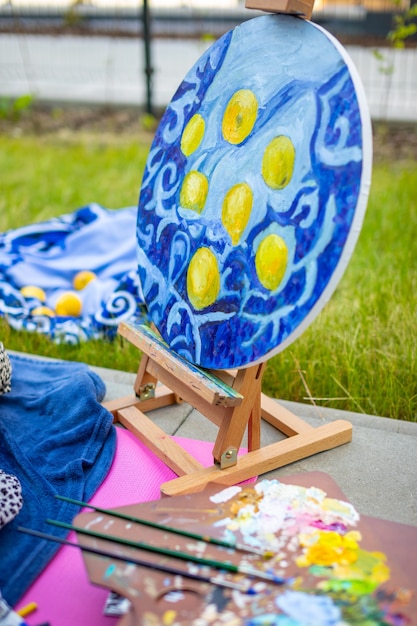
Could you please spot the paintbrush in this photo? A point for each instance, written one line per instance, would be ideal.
(166, 569)
(179, 531)
(177, 554)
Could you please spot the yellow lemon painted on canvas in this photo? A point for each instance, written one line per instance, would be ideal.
(240, 116)
(194, 190)
(271, 261)
(203, 279)
(278, 162)
(192, 135)
(81, 279)
(237, 207)
(68, 304)
(31, 291)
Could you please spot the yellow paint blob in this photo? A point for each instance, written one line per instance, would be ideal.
(271, 261)
(237, 207)
(194, 191)
(31, 291)
(43, 310)
(239, 116)
(169, 617)
(278, 162)
(81, 279)
(69, 304)
(203, 279)
(193, 134)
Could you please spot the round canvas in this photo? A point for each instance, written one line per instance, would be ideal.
(254, 192)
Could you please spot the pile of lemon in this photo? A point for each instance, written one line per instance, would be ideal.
(69, 303)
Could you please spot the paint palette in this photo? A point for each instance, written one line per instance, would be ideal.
(254, 192)
(325, 560)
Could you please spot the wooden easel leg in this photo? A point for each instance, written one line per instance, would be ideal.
(156, 440)
(147, 394)
(266, 459)
(235, 421)
(281, 418)
(254, 428)
(144, 382)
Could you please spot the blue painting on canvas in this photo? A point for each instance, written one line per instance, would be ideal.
(253, 193)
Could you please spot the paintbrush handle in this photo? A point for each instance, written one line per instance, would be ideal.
(179, 531)
(230, 567)
(177, 554)
(166, 569)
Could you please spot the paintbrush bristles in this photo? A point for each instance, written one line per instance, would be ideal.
(179, 531)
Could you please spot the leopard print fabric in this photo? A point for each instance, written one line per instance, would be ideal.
(11, 500)
(5, 371)
(10, 489)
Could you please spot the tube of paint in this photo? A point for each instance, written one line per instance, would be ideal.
(8, 617)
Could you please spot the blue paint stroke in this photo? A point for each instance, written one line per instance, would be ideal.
(308, 609)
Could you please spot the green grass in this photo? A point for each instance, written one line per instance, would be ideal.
(43, 178)
(360, 352)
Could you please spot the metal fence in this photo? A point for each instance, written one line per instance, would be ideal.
(131, 53)
(347, 19)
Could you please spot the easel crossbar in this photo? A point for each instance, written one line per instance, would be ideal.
(213, 389)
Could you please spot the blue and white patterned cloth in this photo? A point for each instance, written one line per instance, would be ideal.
(49, 254)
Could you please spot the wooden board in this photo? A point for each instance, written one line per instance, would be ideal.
(297, 7)
(156, 598)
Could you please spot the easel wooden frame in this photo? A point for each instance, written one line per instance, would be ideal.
(233, 401)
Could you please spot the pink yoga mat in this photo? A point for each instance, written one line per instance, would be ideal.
(63, 593)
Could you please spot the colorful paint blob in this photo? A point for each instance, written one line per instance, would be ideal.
(263, 159)
(334, 581)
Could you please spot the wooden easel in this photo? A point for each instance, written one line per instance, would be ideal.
(231, 400)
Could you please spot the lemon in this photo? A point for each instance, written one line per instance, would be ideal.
(203, 279)
(194, 191)
(237, 207)
(68, 305)
(240, 116)
(271, 261)
(278, 162)
(193, 134)
(81, 279)
(43, 310)
(31, 291)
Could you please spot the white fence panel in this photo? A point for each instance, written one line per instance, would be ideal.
(109, 70)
